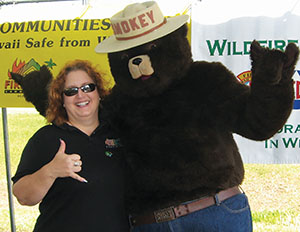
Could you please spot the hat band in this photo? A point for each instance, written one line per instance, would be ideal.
(145, 33)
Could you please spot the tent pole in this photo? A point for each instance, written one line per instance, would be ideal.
(8, 174)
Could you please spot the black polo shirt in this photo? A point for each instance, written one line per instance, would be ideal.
(72, 206)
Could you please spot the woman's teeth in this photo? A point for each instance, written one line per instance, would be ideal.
(82, 103)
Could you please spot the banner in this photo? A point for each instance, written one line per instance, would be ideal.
(26, 46)
(229, 43)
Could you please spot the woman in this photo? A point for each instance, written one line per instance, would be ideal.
(72, 167)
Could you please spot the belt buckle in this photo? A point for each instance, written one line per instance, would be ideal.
(164, 215)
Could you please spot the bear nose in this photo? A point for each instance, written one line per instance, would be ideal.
(137, 61)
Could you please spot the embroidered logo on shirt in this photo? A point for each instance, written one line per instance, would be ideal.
(108, 153)
(112, 143)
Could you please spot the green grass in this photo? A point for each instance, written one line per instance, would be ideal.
(273, 190)
(278, 220)
(20, 127)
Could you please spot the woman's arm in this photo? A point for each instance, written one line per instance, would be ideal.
(31, 189)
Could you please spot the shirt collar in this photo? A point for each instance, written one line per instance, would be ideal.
(65, 126)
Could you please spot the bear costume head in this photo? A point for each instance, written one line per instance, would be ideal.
(133, 47)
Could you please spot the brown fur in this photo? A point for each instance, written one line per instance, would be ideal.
(177, 126)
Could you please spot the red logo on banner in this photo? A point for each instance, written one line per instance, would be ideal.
(22, 68)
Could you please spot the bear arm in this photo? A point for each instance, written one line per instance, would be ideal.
(255, 112)
(35, 87)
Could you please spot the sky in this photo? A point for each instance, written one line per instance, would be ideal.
(69, 10)
(204, 11)
(218, 11)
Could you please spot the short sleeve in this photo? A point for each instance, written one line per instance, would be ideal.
(39, 150)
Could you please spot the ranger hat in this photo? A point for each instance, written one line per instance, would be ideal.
(137, 24)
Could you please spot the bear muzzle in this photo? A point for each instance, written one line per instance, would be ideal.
(140, 67)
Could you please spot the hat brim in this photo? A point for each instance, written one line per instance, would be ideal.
(111, 44)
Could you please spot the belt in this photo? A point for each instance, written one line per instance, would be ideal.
(172, 213)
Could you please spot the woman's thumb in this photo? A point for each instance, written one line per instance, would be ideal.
(62, 146)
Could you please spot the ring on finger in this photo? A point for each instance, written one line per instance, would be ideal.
(76, 164)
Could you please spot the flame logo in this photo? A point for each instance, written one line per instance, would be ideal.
(17, 68)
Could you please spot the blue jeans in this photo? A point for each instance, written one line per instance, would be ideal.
(232, 215)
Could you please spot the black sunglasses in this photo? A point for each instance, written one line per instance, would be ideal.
(74, 90)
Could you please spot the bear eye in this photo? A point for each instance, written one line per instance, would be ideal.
(153, 47)
(124, 56)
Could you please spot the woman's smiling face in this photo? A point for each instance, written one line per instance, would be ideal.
(81, 105)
